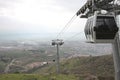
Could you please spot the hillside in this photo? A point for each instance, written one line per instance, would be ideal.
(87, 65)
(75, 68)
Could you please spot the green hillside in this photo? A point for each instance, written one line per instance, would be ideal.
(36, 77)
(76, 68)
(97, 65)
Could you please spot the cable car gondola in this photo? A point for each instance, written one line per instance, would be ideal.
(53, 42)
(101, 28)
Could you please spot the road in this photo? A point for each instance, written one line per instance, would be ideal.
(8, 66)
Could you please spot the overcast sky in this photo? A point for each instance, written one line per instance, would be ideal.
(39, 16)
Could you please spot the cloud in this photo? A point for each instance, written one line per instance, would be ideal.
(38, 16)
(7, 7)
(13, 26)
(71, 5)
(8, 3)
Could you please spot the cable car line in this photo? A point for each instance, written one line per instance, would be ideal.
(67, 25)
(68, 39)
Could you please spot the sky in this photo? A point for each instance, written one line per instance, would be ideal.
(39, 17)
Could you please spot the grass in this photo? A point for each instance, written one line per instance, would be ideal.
(36, 77)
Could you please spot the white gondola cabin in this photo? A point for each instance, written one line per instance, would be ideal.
(101, 28)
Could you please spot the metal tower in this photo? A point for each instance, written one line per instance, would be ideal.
(57, 43)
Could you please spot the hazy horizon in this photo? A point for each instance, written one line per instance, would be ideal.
(40, 19)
